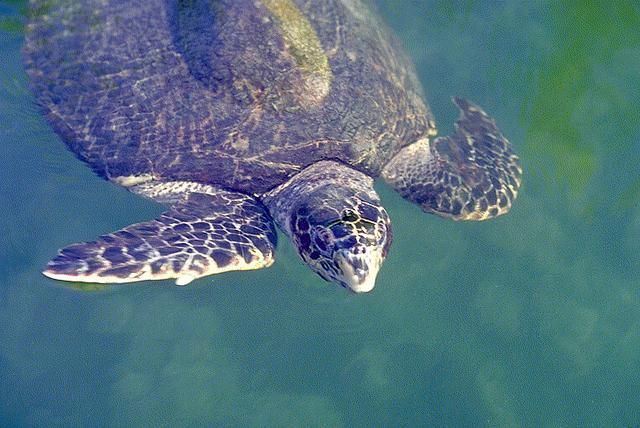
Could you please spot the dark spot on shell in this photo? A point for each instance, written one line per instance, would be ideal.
(138, 255)
(246, 254)
(271, 236)
(234, 237)
(201, 226)
(491, 197)
(178, 264)
(156, 242)
(222, 258)
(303, 224)
(148, 228)
(165, 251)
(165, 219)
(369, 212)
(125, 235)
(456, 208)
(224, 244)
(108, 239)
(76, 252)
(229, 226)
(496, 183)
(115, 255)
(340, 231)
(198, 264)
(305, 240)
(157, 265)
(260, 244)
(182, 227)
(245, 228)
(120, 272)
(471, 206)
(183, 217)
(93, 266)
(319, 242)
(253, 209)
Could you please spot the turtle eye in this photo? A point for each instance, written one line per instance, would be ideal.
(348, 215)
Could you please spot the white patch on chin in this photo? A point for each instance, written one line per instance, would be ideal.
(356, 282)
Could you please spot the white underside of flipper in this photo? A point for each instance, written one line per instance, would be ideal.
(181, 278)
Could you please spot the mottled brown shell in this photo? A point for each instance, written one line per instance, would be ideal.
(237, 93)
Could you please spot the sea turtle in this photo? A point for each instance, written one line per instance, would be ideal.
(242, 114)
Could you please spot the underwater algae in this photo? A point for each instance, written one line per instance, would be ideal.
(569, 80)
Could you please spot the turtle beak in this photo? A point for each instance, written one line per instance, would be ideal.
(359, 271)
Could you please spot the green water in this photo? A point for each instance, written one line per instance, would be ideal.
(532, 319)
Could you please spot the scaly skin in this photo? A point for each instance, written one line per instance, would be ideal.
(334, 218)
(473, 174)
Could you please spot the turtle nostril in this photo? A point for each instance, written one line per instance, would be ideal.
(359, 249)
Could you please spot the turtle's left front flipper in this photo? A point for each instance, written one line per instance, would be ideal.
(202, 234)
(471, 175)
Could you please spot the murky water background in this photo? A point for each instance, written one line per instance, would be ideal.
(532, 319)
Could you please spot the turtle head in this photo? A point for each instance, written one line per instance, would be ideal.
(344, 240)
(334, 217)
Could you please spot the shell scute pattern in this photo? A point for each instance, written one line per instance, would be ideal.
(211, 92)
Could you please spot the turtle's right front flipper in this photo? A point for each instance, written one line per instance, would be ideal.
(202, 234)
